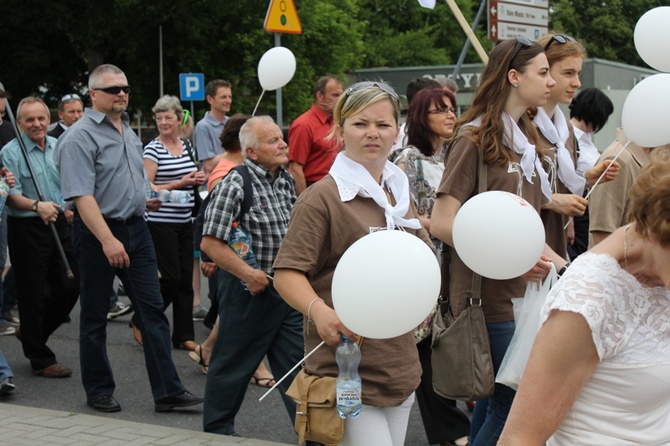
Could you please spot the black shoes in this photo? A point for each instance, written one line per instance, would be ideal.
(184, 399)
(104, 403)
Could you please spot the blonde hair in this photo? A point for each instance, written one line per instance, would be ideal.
(354, 101)
(650, 200)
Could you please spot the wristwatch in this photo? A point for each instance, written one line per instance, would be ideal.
(34, 206)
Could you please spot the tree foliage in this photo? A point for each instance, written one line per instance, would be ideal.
(605, 27)
(50, 46)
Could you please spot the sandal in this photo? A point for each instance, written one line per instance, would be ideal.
(263, 382)
(137, 334)
(197, 357)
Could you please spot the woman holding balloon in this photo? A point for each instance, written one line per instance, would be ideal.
(363, 193)
(430, 123)
(497, 131)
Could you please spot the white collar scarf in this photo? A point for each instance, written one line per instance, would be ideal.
(557, 133)
(353, 179)
(515, 138)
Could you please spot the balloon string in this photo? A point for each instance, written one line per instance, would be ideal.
(600, 178)
(256, 108)
(289, 372)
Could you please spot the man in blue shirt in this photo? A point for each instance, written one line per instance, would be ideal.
(208, 129)
(32, 247)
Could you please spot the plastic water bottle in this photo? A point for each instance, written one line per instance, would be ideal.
(240, 242)
(348, 356)
(4, 191)
(173, 196)
(179, 196)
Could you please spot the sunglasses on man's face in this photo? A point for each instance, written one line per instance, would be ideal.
(560, 38)
(115, 90)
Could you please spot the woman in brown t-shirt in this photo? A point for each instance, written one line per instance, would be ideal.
(497, 131)
(362, 193)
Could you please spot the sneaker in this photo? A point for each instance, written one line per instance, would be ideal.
(6, 386)
(6, 329)
(119, 309)
(10, 318)
(200, 314)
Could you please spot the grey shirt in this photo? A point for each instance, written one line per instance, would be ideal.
(206, 137)
(95, 159)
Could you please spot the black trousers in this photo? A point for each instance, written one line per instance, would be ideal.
(174, 253)
(442, 420)
(45, 295)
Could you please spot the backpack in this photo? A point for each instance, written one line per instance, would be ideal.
(248, 191)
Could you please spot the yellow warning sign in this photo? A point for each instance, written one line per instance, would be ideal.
(282, 17)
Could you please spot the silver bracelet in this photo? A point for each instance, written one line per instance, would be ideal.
(309, 311)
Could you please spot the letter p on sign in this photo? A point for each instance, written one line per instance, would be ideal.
(192, 87)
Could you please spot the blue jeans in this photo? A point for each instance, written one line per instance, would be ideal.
(141, 283)
(5, 370)
(490, 414)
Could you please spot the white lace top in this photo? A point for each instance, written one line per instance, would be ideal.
(627, 399)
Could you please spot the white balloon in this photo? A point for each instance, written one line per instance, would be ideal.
(385, 284)
(644, 116)
(276, 68)
(498, 235)
(652, 39)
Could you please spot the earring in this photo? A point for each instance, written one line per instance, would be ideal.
(515, 85)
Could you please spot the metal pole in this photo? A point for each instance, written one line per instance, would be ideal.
(160, 60)
(24, 151)
(280, 118)
(466, 45)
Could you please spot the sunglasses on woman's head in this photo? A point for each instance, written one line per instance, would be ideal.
(560, 38)
(367, 84)
(521, 41)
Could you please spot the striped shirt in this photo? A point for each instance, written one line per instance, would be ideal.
(170, 168)
(267, 219)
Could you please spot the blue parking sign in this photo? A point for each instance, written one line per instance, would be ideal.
(192, 87)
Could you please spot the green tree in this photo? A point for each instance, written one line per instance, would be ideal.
(605, 27)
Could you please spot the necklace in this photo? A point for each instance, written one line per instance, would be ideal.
(625, 248)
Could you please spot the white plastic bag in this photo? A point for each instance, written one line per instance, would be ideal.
(527, 316)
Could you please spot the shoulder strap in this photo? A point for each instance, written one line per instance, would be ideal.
(476, 278)
(247, 189)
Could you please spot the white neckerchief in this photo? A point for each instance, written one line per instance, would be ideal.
(557, 133)
(515, 138)
(353, 179)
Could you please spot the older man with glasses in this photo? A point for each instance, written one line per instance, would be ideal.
(70, 110)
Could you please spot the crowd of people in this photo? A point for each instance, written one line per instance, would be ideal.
(90, 204)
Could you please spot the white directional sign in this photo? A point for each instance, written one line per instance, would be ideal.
(510, 18)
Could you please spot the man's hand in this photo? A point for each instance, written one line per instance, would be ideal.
(69, 216)
(115, 253)
(153, 204)
(208, 268)
(47, 211)
(256, 281)
(9, 177)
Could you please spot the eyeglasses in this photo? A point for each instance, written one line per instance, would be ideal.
(168, 118)
(114, 90)
(442, 111)
(367, 84)
(560, 38)
(521, 41)
(69, 97)
(185, 120)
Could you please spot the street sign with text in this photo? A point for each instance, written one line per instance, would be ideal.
(192, 86)
(510, 18)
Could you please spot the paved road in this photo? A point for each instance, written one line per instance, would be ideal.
(266, 420)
